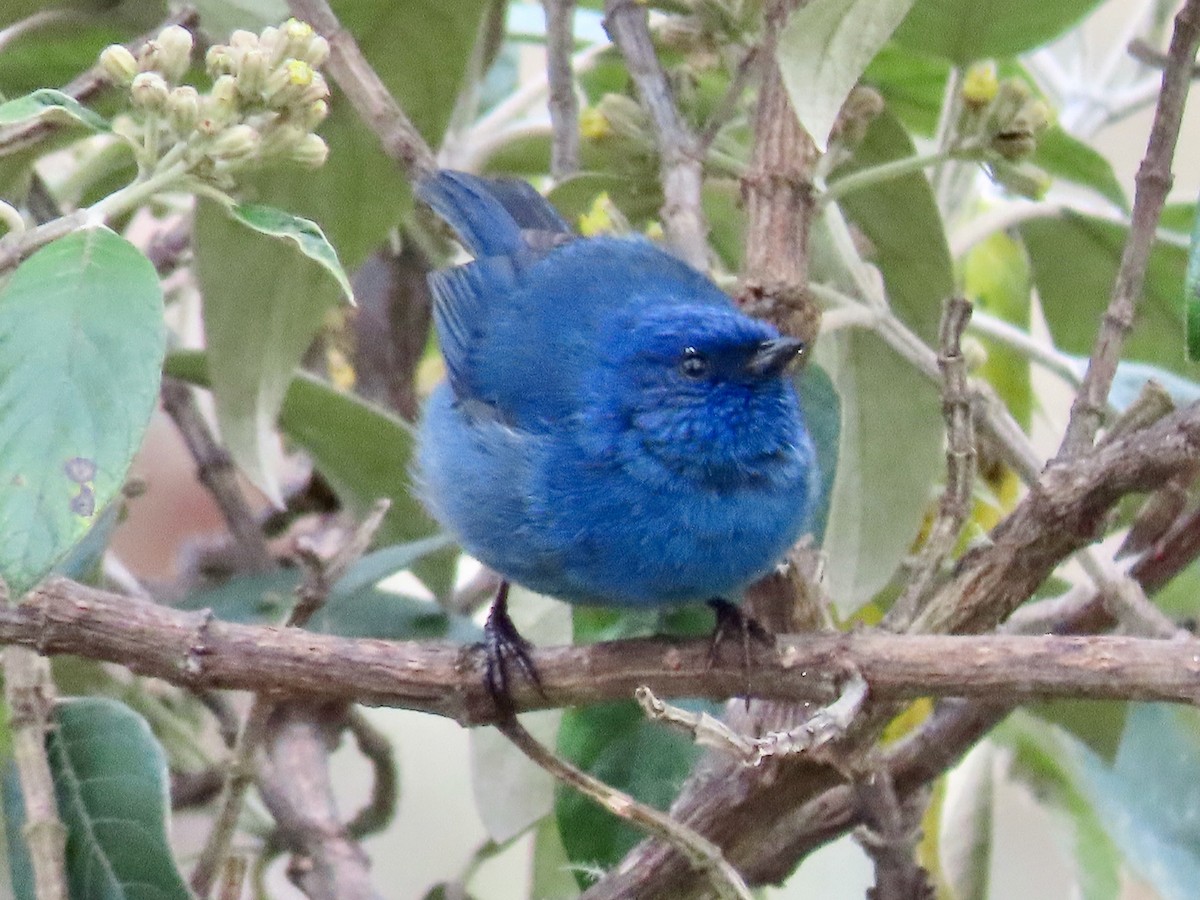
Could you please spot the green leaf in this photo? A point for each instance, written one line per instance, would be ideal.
(883, 488)
(901, 221)
(1075, 260)
(996, 278)
(20, 866)
(1066, 157)
(511, 793)
(355, 608)
(823, 415)
(50, 106)
(617, 744)
(824, 48)
(963, 31)
(110, 775)
(551, 866)
(913, 85)
(363, 451)
(1097, 723)
(306, 235)
(1054, 766)
(1191, 289)
(967, 822)
(220, 18)
(81, 348)
(264, 302)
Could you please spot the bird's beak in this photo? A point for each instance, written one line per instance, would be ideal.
(772, 358)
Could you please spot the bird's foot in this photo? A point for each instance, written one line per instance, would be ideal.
(505, 647)
(731, 620)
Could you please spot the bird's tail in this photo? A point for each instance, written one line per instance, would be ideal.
(492, 216)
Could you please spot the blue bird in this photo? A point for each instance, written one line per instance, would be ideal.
(612, 430)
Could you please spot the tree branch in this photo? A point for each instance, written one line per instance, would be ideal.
(681, 173)
(366, 91)
(194, 650)
(564, 105)
(29, 691)
(1153, 183)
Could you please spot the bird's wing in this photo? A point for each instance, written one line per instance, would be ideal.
(494, 216)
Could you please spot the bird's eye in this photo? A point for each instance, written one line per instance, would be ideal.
(693, 363)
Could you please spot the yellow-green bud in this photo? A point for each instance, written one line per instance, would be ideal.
(593, 124)
(314, 114)
(311, 152)
(980, 86)
(118, 64)
(294, 82)
(219, 60)
(974, 353)
(296, 36)
(174, 51)
(183, 109)
(149, 91)
(236, 142)
(252, 73)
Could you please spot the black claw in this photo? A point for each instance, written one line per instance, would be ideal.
(731, 620)
(503, 645)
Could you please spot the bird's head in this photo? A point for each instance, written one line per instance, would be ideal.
(701, 391)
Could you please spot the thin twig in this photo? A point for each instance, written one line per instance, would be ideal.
(681, 173)
(320, 576)
(29, 690)
(889, 835)
(375, 746)
(217, 472)
(699, 851)
(326, 864)
(727, 106)
(1153, 182)
(366, 91)
(955, 504)
(563, 103)
(828, 724)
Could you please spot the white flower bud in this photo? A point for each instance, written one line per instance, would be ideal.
(183, 109)
(118, 64)
(174, 51)
(296, 36)
(280, 140)
(220, 107)
(242, 40)
(149, 91)
(311, 152)
(314, 114)
(219, 60)
(274, 46)
(317, 51)
(237, 142)
(252, 73)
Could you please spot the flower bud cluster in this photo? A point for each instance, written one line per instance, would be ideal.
(266, 98)
(1006, 119)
